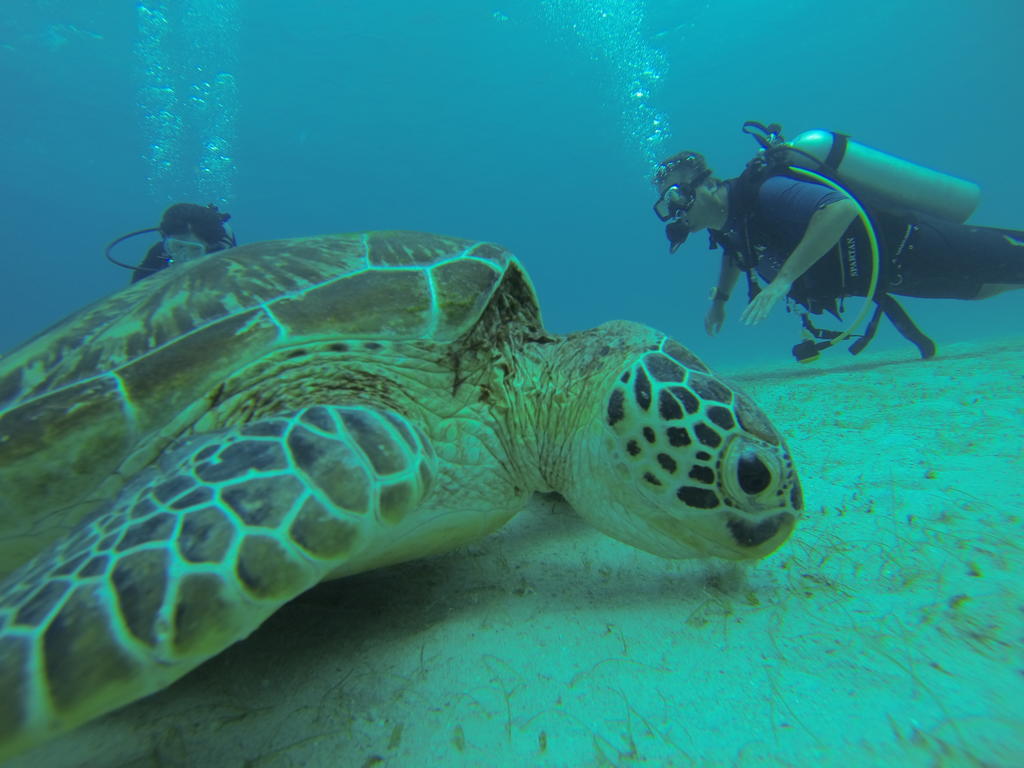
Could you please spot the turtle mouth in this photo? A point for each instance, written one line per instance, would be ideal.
(753, 537)
(727, 536)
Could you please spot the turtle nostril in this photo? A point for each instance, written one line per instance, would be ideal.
(754, 476)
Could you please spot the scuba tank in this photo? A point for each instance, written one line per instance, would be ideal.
(891, 183)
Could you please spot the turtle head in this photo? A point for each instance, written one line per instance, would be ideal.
(696, 469)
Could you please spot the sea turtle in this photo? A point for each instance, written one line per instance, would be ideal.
(181, 458)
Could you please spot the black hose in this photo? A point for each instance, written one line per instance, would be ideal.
(112, 243)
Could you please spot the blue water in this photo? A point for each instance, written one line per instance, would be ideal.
(535, 124)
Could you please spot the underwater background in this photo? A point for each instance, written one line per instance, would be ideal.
(534, 123)
(887, 632)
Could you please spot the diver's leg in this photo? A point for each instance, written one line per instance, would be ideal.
(1002, 253)
(945, 260)
(991, 289)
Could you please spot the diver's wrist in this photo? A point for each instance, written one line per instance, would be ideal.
(719, 296)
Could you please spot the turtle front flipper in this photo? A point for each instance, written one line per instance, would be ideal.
(193, 555)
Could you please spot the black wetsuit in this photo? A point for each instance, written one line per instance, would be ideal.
(920, 255)
(156, 258)
(937, 259)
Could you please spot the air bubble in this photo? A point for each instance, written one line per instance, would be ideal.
(189, 116)
(611, 31)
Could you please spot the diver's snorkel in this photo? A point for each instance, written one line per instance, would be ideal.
(112, 243)
(677, 231)
(671, 208)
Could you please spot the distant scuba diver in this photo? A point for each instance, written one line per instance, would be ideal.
(823, 217)
(187, 231)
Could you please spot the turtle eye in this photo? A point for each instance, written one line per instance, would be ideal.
(752, 473)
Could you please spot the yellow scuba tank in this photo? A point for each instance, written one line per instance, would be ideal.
(890, 182)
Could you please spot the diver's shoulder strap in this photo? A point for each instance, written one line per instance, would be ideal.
(744, 188)
(735, 240)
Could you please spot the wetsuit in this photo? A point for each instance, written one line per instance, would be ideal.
(157, 259)
(920, 255)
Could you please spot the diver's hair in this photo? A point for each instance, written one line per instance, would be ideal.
(684, 167)
(207, 222)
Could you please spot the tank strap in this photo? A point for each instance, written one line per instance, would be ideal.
(837, 152)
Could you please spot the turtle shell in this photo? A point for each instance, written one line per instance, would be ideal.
(80, 399)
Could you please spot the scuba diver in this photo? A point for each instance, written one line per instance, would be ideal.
(187, 231)
(823, 217)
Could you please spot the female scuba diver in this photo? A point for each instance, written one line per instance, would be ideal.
(187, 231)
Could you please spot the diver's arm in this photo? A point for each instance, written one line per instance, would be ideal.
(824, 229)
(728, 274)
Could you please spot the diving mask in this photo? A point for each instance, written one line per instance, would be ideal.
(178, 249)
(673, 201)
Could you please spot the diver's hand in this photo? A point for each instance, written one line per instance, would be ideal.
(714, 318)
(758, 309)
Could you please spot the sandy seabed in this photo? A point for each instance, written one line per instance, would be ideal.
(889, 631)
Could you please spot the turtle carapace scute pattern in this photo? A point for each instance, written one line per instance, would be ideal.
(181, 458)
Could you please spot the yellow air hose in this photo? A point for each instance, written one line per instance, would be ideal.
(875, 257)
